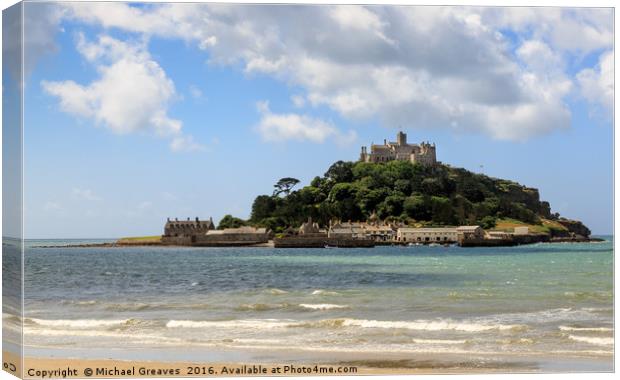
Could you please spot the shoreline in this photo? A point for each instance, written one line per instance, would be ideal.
(270, 244)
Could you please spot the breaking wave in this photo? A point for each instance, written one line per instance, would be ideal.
(322, 306)
(438, 341)
(593, 340)
(345, 322)
(432, 325)
(322, 292)
(80, 323)
(569, 328)
(243, 323)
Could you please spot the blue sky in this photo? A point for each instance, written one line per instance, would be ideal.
(136, 113)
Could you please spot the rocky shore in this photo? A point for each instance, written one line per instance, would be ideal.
(278, 243)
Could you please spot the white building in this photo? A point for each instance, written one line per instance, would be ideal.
(427, 235)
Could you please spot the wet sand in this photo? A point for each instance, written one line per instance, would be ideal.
(114, 368)
(110, 368)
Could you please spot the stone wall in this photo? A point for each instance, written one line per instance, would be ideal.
(321, 242)
(232, 238)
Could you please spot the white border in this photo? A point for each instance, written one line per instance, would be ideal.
(564, 3)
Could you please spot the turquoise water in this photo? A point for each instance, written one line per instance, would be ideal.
(545, 299)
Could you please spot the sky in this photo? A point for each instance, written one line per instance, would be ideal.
(138, 112)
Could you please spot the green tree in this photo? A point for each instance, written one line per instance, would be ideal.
(398, 190)
(263, 207)
(340, 171)
(391, 206)
(229, 221)
(418, 207)
(403, 186)
(442, 210)
(284, 186)
(488, 222)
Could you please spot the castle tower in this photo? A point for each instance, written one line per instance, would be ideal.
(363, 154)
(401, 138)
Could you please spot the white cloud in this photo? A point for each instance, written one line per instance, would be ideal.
(85, 194)
(413, 67)
(281, 127)
(357, 18)
(298, 100)
(576, 30)
(196, 92)
(185, 144)
(131, 94)
(597, 84)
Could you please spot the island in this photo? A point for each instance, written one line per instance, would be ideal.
(396, 193)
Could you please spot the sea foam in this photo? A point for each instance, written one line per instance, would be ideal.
(322, 292)
(346, 322)
(593, 340)
(323, 306)
(431, 325)
(569, 328)
(243, 323)
(79, 323)
(438, 341)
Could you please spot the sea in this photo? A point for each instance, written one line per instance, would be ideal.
(540, 307)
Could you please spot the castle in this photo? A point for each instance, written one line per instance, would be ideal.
(400, 150)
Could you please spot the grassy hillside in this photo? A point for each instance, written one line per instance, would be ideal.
(140, 240)
(547, 226)
(400, 190)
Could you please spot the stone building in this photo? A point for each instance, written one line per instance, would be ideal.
(233, 236)
(176, 227)
(373, 229)
(346, 230)
(379, 232)
(423, 153)
(427, 235)
(311, 229)
(470, 232)
(203, 233)
(522, 230)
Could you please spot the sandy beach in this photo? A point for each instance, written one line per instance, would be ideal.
(108, 368)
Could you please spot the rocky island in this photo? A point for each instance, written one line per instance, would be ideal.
(398, 193)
